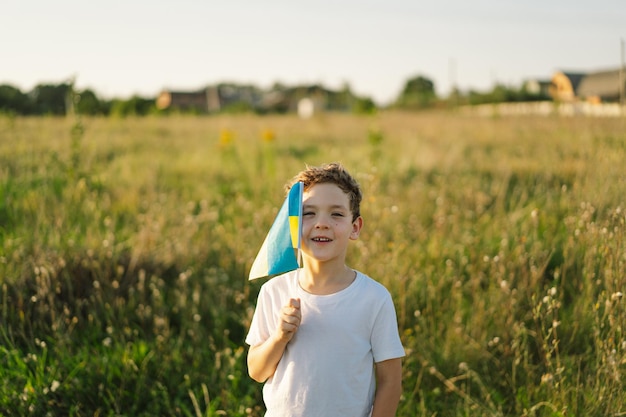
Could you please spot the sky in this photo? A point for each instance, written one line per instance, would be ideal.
(121, 48)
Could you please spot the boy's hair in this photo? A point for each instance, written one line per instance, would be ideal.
(333, 173)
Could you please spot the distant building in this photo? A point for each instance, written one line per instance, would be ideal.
(309, 99)
(564, 85)
(538, 87)
(603, 86)
(595, 87)
(186, 101)
(210, 99)
(225, 97)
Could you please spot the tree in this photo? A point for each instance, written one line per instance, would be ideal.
(12, 100)
(503, 94)
(89, 104)
(50, 99)
(135, 106)
(364, 106)
(455, 98)
(418, 92)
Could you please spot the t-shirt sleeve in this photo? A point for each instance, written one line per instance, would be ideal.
(386, 343)
(262, 320)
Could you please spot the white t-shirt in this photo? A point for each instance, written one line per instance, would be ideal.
(327, 368)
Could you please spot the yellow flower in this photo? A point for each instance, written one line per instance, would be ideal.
(268, 136)
(227, 137)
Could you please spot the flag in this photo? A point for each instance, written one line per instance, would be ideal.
(278, 252)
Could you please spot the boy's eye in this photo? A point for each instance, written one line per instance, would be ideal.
(338, 214)
(308, 213)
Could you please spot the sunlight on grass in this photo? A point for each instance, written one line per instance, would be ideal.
(124, 255)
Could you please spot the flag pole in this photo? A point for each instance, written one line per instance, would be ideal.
(299, 257)
(622, 80)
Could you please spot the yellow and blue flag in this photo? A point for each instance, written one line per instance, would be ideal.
(281, 249)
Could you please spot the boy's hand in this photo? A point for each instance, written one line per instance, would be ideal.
(290, 317)
(264, 357)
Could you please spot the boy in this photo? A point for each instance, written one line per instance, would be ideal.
(324, 338)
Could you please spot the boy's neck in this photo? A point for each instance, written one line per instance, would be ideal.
(321, 279)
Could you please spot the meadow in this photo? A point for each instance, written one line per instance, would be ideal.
(125, 245)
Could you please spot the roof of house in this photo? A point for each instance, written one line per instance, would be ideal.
(574, 78)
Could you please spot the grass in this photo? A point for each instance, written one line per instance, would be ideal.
(125, 246)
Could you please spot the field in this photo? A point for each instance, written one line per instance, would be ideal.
(125, 246)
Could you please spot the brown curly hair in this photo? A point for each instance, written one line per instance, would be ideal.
(333, 173)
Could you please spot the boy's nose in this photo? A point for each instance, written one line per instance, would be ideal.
(322, 222)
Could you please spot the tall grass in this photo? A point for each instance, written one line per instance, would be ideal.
(125, 246)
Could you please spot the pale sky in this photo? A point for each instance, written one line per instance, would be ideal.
(123, 47)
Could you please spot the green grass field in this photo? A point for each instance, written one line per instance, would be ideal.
(125, 246)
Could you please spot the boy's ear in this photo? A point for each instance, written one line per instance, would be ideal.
(357, 225)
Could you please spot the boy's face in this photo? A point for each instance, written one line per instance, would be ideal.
(327, 225)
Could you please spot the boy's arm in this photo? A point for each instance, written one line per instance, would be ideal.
(388, 387)
(263, 358)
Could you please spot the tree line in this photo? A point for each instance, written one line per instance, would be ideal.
(61, 99)
(418, 92)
